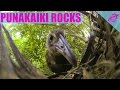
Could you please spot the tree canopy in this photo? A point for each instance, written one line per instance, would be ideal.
(31, 40)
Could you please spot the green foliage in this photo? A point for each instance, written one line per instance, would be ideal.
(31, 40)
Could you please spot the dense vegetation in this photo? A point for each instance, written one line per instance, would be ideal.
(31, 40)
